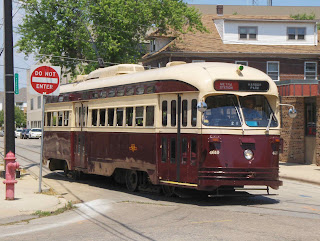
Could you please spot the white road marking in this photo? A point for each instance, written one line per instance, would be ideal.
(84, 211)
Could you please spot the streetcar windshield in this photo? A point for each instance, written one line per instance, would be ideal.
(223, 110)
(257, 111)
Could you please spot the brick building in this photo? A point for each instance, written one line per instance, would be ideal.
(284, 48)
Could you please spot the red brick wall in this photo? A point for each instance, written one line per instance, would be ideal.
(318, 132)
(293, 132)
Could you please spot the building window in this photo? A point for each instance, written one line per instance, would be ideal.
(310, 115)
(31, 104)
(152, 45)
(310, 70)
(39, 102)
(273, 69)
(249, 33)
(296, 33)
(244, 63)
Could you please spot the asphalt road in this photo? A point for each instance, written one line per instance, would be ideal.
(109, 212)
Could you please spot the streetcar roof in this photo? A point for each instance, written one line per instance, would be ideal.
(200, 75)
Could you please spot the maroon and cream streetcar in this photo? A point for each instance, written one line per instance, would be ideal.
(182, 126)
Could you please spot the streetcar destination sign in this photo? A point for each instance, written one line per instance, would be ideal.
(241, 85)
(45, 80)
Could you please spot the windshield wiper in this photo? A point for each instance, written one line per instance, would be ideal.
(269, 123)
(239, 116)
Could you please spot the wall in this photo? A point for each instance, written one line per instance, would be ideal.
(269, 33)
(292, 131)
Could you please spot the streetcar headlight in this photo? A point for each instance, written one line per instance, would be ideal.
(248, 154)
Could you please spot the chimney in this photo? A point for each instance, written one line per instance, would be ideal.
(220, 10)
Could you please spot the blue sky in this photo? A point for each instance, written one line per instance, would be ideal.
(21, 63)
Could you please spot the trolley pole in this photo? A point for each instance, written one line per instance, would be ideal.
(9, 141)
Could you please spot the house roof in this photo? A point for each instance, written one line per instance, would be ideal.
(211, 42)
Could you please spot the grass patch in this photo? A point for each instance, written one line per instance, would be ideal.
(49, 192)
(67, 207)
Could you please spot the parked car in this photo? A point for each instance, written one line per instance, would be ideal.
(17, 132)
(1, 133)
(34, 133)
(23, 134)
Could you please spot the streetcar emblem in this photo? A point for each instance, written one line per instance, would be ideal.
(133, 148)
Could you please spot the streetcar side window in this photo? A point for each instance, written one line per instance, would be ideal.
(194, 112)
(164, 149)
(149, 115)
(66, 118)
(193, 151)
(164, 113)
(139, 116)
(184, 150)
(48, 118)
(110, 116)
(84, 116)
(102, 117)
(173, 150)
(94, 117)
(184, 112)
(79, 120)
(60, 117)
(54, 118)
(173, 112)
(119, 116)
(129, 116)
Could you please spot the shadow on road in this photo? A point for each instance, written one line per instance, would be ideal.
(191, 198)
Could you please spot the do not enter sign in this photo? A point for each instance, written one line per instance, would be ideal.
(45, 80)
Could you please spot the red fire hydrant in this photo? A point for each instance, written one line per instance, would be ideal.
(11, 166)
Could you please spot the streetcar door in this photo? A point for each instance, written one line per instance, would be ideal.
(187, 168)
(167, 156)
(81, 119)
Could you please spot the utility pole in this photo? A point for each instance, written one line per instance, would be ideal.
(9, 141)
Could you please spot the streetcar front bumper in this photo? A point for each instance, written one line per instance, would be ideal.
(211, 178)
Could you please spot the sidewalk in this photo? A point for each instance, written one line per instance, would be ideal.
(300, 172)
(27, 200)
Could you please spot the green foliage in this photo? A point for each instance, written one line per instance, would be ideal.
(19, 117)
(303, 16)
(117, 27)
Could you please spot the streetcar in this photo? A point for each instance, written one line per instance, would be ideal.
(183, 126)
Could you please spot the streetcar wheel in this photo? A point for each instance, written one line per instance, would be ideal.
(168, 191)
(132, 180)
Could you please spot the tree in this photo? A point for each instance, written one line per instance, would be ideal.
(19, 117)
(87, 29)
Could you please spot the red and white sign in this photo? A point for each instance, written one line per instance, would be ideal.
(226, 85)
(45, 80)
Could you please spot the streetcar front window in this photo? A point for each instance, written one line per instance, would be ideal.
(223, 110)
(257, 111)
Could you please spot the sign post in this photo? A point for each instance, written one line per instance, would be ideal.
(16, 83)
(44, 80)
